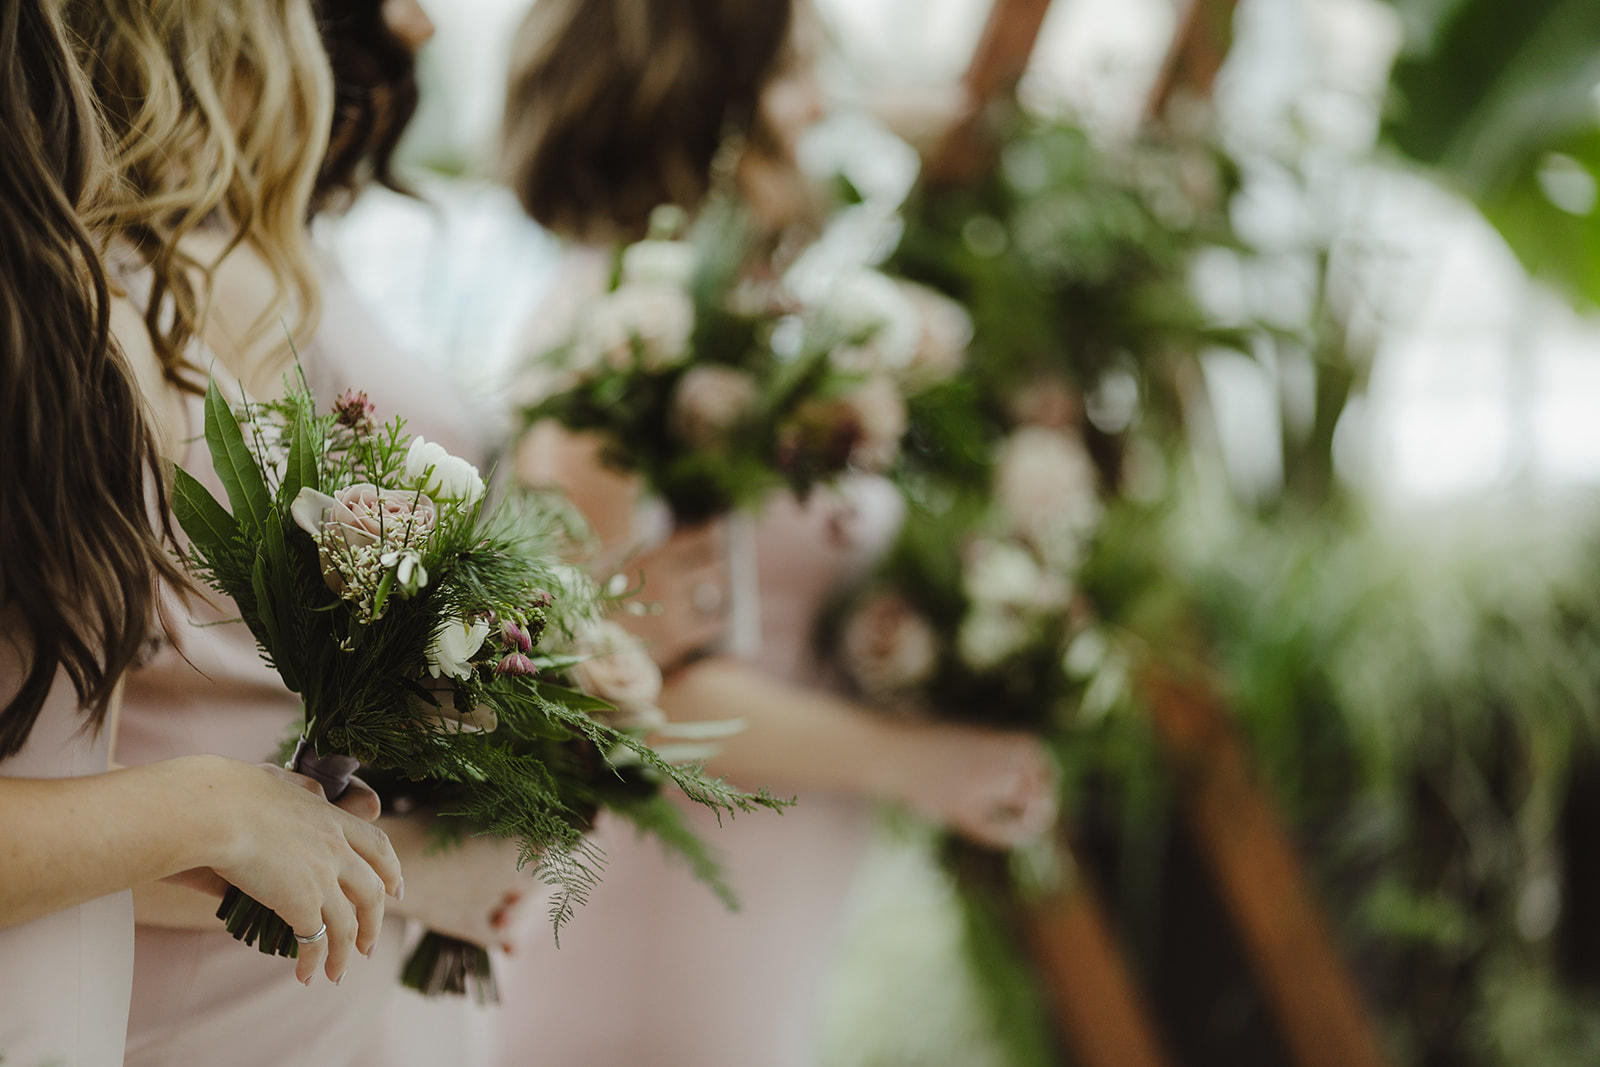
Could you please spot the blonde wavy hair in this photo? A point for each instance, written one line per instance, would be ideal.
(219, 112)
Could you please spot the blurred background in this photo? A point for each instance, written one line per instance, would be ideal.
(1328, 270)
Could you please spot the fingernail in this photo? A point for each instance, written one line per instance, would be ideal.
(339, 980)
(306, 981)
(367, 952)
(400, 890)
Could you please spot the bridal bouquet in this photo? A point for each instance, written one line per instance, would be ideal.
(609, 674)
(711, 379)
(412, 622)
(976, 614)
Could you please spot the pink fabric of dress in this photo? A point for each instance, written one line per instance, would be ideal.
(654, 970)
(64, 979)
(200, 998)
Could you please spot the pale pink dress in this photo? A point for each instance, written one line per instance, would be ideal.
(64, 979)
(200, 998)
(654, 970)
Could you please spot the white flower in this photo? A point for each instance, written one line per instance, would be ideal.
(454, 644)
(990, 635)
(1046, 486)
(942, 343)
(442, 475)
(652, 320)
(880, 325)
(659, 262)
(1005, 573)
(410, 576)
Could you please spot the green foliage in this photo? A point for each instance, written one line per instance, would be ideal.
(359, 665)
(1498, 96)
(794, 429)
(1073, 261)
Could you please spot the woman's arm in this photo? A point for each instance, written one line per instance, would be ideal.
(994, 786)
(70, 840)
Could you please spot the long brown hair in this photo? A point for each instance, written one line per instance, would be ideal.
(78, 554)
(375, 97)
(617, 106)
(219, 110)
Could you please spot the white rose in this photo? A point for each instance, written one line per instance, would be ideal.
(989, 636)
(442, 475)
(1046, 485)
(1005, 573)
(658, 318)
(620, 672)
(881, 327)
(659, 262)
(454, 644)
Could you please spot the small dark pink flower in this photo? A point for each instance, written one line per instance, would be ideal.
(355, 411)
(516, 663)
(513, 636)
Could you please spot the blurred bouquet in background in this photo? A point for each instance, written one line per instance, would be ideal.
(702, 371)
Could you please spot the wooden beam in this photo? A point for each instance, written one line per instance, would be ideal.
(1198, 49)
(1096, 1004)
(1259, 876)
(969, 150)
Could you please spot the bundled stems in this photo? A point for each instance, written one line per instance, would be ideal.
(442, 965)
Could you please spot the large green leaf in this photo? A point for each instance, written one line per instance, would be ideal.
(235, 464)
(302, 471)
(207, 522)
(1500, 95)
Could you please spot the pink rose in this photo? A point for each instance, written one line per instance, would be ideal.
(361, 516)
(880, 415)
(888, 647)
(709, 401)
(620, 672)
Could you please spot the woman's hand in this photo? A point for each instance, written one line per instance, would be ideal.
(471, 890)
(686, 593)
(996, 787)
(312, 862)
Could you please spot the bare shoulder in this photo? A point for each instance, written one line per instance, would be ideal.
(162, 400)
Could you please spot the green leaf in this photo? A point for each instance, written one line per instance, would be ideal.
(273, 585)
(1498, 95)
(203, 519)
(235, 464)
(302, 472)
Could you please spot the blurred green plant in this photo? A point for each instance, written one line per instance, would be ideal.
(1502, 97)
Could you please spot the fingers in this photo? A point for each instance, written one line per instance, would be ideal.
(361, 800)
(310, 785)
(364, 889)
(343, 928)
(304, 919)
(373, 845)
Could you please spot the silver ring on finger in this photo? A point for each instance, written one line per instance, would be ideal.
(322, 932)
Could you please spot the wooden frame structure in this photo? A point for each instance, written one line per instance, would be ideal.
(1245, 844)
